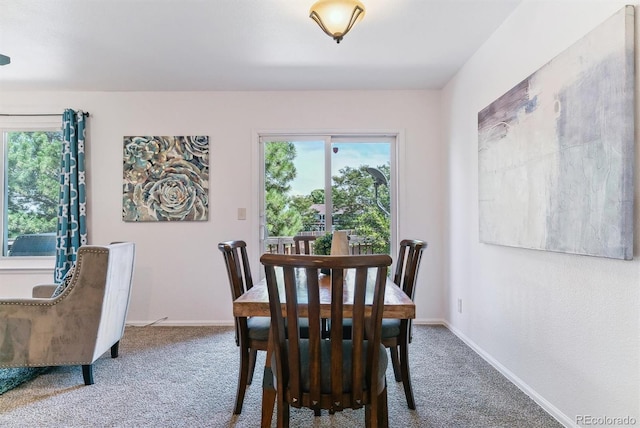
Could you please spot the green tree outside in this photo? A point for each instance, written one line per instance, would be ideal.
(356, 208)
(33, 168)
(317, 196)
(302, 204)
(283, 219)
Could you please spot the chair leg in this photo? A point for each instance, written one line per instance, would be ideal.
(376, 414)
(383, 410)
(395, 361)
(242, 380)
(114, 349)
(252, 364)
(87, 374)
(406, 377)
(283, 413)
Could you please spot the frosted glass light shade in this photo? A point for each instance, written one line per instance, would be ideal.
(337, 17)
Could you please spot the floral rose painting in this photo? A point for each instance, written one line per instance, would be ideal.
(166, 178)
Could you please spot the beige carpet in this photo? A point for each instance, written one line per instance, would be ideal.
(186, 377)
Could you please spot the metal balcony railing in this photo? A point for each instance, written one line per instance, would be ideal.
(285, 245)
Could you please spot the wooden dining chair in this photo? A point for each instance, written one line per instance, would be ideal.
(396, 334)
(303, 243)
(333, 373)
(252, 334)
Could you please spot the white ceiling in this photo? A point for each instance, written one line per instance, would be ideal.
(199, 45)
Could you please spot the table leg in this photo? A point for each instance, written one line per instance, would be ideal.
(268, 390)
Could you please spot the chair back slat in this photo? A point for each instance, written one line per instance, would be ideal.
(358, 335)
(304, 379)
(303, 244)
(315, 337)
(374, 330)
(293, 332)
(337, 291)
(277, 324)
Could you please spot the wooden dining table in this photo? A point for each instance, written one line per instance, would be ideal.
(255, 302)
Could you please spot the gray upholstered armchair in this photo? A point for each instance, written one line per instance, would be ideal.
(81, 323)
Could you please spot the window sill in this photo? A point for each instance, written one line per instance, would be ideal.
(27, 264)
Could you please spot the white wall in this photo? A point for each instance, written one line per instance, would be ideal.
(564, 327)
(179, 270)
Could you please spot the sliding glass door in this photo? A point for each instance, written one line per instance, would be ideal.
(316, 185)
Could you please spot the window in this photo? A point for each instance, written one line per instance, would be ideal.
(315, 185)
(30, 189)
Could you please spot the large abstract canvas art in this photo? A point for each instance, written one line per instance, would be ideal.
(556, 152)
(166, 178)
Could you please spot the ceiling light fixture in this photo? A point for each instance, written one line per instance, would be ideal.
(336, 17)
(4, 60)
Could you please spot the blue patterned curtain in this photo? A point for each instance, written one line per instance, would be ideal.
(72, 209)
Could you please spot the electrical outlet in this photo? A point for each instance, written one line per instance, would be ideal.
(460, 306)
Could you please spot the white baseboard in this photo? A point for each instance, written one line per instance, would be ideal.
(219, 323)
(524, 387)
(430, 321)
(179, 323)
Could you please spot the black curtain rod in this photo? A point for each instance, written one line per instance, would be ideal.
(86, 113)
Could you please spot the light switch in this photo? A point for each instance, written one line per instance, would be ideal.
(242, 213)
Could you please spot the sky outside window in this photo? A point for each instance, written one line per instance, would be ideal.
(309, 161)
